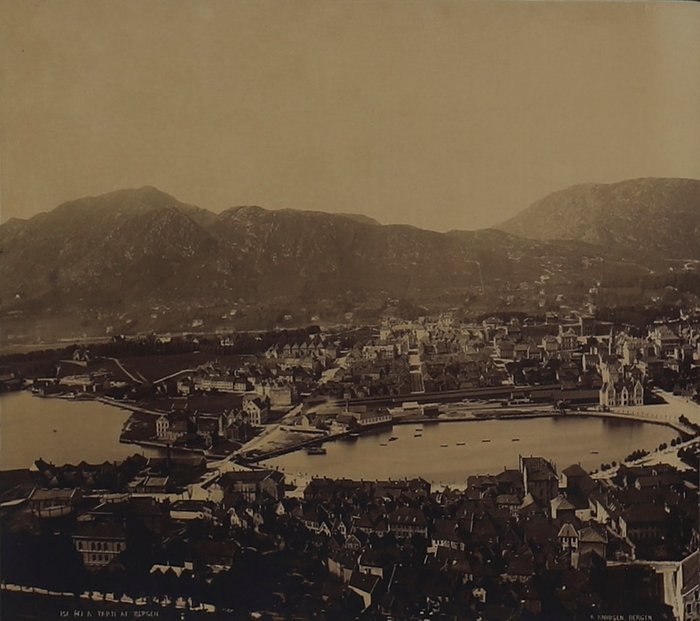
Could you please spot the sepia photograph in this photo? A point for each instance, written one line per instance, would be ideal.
(336, 310)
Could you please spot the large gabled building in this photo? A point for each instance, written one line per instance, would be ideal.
(540, 478)
(251, 486)
(99, 544)
(625, 393)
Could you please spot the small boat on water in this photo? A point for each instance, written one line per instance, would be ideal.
(594, 452)
(393, 438)
(443, 446)
(316, 450)
(383, 444)
(417, 435)
(486, 440)
(461, 443)
(515, 440)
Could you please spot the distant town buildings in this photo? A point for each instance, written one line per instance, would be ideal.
(504, 545)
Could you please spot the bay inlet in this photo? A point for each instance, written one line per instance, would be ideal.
(67, 431)
(60, 431)
(446, 453)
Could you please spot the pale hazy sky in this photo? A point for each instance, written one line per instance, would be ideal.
(433, 113)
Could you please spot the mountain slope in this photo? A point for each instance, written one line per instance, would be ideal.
(127, 239)
(144, 244)
(296, 252)
(659, 217)
(142, 257)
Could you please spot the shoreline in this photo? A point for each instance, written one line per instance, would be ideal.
(87, 397)
(414, 420)
(530, 415)
(127, 406)
(177, 449)
(237, 455)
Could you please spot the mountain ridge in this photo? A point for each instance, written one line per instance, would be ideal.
(125, 254)
(650, 214)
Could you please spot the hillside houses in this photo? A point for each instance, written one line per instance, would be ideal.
(185, 426)
(591, 361)
(385, 547)
(277, 383)
(249, 486)
(298, 349)
(478, 542)
(313, 354)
